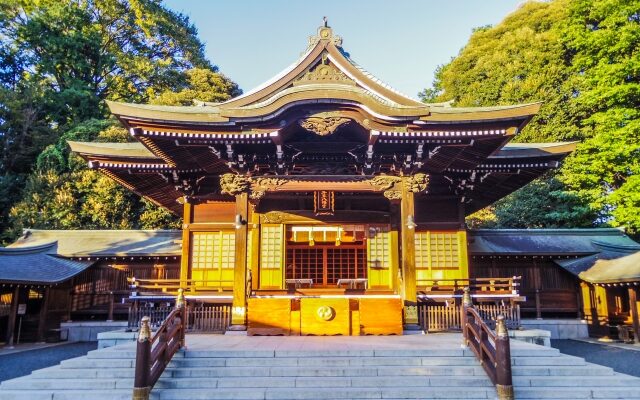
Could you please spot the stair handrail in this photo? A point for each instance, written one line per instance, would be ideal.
(154, 352)
(491, 348)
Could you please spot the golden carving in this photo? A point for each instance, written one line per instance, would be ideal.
(260, 186)
(273, 217)
(234, 184)
(418, 183)
(393, 194)
(411, 314)
(322, 125)
(384, 182)
(324, 74)
(324, 33)
(325, 313)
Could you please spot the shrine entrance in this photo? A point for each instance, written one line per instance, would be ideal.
(326, 257)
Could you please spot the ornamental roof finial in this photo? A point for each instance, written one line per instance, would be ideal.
(325, 21)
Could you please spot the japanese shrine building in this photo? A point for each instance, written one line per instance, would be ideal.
(324, 201)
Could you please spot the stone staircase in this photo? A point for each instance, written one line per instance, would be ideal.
(391, 370)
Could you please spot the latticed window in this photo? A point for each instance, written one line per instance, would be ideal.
(213, 250)
(437, 250)
(271, 247)
(379, 249)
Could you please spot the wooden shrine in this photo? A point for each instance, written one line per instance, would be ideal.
(324, 201)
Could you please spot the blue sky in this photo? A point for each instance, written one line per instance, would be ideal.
(401, 42)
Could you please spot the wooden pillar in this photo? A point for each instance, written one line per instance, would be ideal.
(111, 305)
(11, 323)
(44, 310)
(538, 283)
(185, 260)
(633, 309)
(408, 259)
(239, 306)
(254, 245)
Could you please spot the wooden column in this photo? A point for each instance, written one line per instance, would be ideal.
(254, 245)
(185, 260)
(11, 323)
(44, 309)
(408, 258)
(239, 307)
(633, 309)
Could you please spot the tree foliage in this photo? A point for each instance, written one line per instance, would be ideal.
(59, 61)
(580, 58)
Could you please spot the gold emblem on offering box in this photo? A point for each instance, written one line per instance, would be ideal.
(325, 313)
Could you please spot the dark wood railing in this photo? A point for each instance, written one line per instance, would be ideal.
(153, 353)
(440, 317)
(199, 317)
(173, 285)
(490, 348)
(476, 285)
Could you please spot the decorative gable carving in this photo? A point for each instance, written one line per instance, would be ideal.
(324, 73)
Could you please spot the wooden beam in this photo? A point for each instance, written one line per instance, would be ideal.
(633, 309)
(408, 258)
(239, 307)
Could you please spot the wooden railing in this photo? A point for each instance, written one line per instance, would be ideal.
(203, 317)
(153, 353)
(439, 317)
(490, 348)
(476, 285)
(172, 285)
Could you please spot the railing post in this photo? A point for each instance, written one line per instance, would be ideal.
(181, 305)
(504, 385)
(141, 384)
(466, 303)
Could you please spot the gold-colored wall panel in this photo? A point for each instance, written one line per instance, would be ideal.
(269, 316)
(380, 316)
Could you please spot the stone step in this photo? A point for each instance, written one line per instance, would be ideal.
(629, 393)
(324, 371)
(563, 370)
(575, 381)
(68, 395)
(555, 360)
(67, 384)
(319, 361)
(293, 382)
(327, 393)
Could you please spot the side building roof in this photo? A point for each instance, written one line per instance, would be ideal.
(598, 255)
(37, 265)
(104, 243)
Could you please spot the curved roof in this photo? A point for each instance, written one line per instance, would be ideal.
(37, 264)
(324, 73)
(101, 243)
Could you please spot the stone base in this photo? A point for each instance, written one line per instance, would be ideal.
(413, 332)
(235, 333)
(559, 328)
(87, 331)
(113, 338)
(534, 336)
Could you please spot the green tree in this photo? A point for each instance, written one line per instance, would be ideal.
(59, 61)
(604, 38)
(580, 57)
(201, 85)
